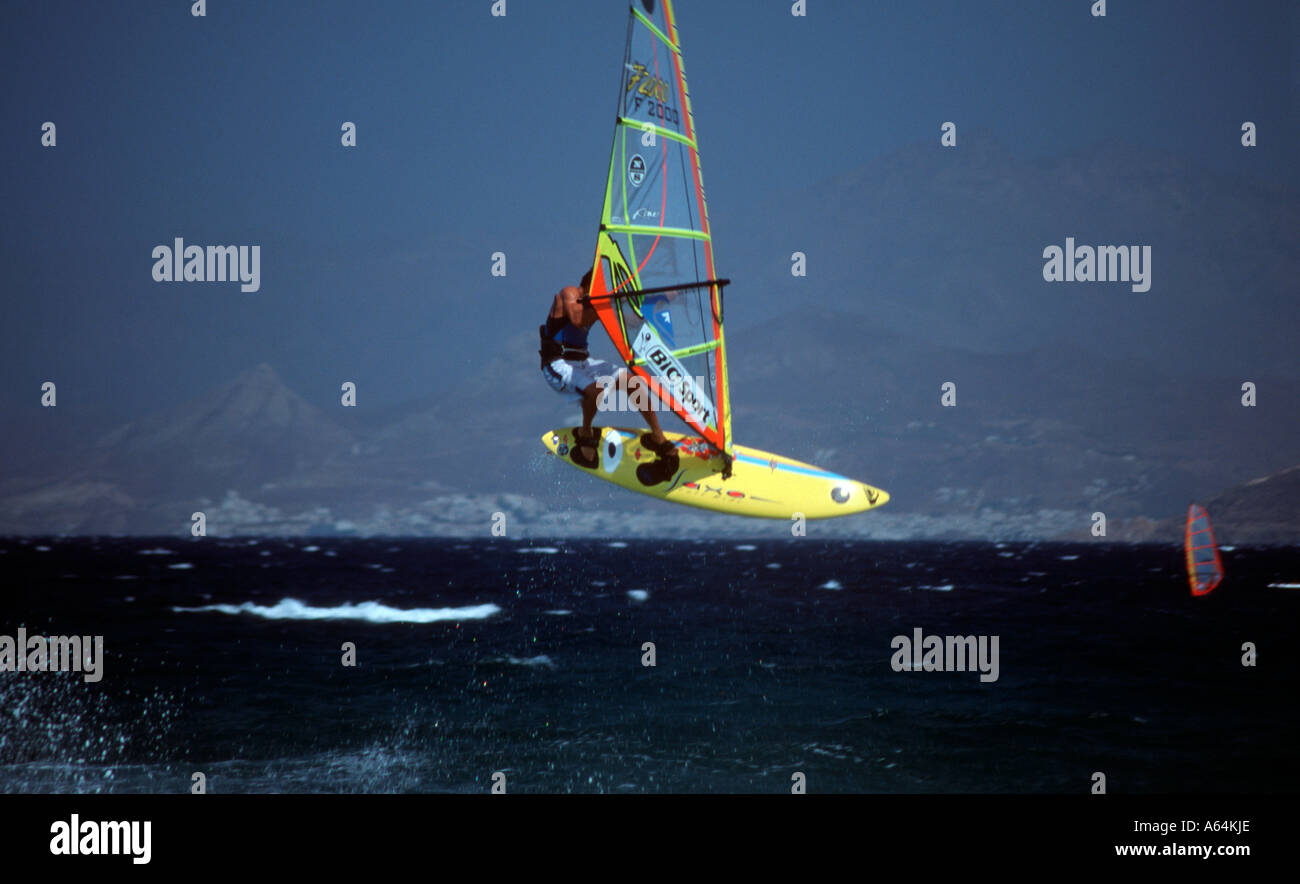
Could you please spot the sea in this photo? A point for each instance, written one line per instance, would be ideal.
(389, 665)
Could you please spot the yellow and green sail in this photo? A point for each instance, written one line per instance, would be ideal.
(653, 284)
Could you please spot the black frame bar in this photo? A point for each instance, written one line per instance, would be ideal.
(720, 283)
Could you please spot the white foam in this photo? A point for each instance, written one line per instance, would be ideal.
(618, 544)
(945, 587)
(43, 548)
(638, 595)
(371, 612)
(1067, 558)
(157, 551)
(311, 549)
(831, 584)
(1007, 555)
(747, 547)
(1227, 548)
(559, 612)
(773, 565)
(539, 660)
(540, 550)
(180, 566)
(1284, 586)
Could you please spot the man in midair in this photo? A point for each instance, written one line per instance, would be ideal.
(570, 370)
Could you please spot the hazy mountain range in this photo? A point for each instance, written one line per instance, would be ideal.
(1020, 455)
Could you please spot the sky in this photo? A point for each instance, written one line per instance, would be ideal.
(478, 134)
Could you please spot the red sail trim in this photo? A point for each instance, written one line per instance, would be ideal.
(607, 308)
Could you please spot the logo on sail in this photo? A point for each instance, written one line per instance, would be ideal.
(652, 95)
(636, 170)
(694, 402)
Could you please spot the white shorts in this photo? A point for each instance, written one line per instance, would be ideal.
(571, 378)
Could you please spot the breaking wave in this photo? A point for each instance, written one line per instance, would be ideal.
(370, 612)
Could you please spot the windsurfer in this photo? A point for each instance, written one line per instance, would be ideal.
(571, 371)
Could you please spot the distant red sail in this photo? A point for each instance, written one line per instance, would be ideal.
(1204, 567)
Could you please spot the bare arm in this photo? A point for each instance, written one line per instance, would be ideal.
(566, 305)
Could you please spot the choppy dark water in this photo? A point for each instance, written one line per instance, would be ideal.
(223, 656)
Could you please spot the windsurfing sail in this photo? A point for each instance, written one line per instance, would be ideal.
(653, 284)
(1204, 568)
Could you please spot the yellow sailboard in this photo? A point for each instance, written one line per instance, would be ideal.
(761, 484)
